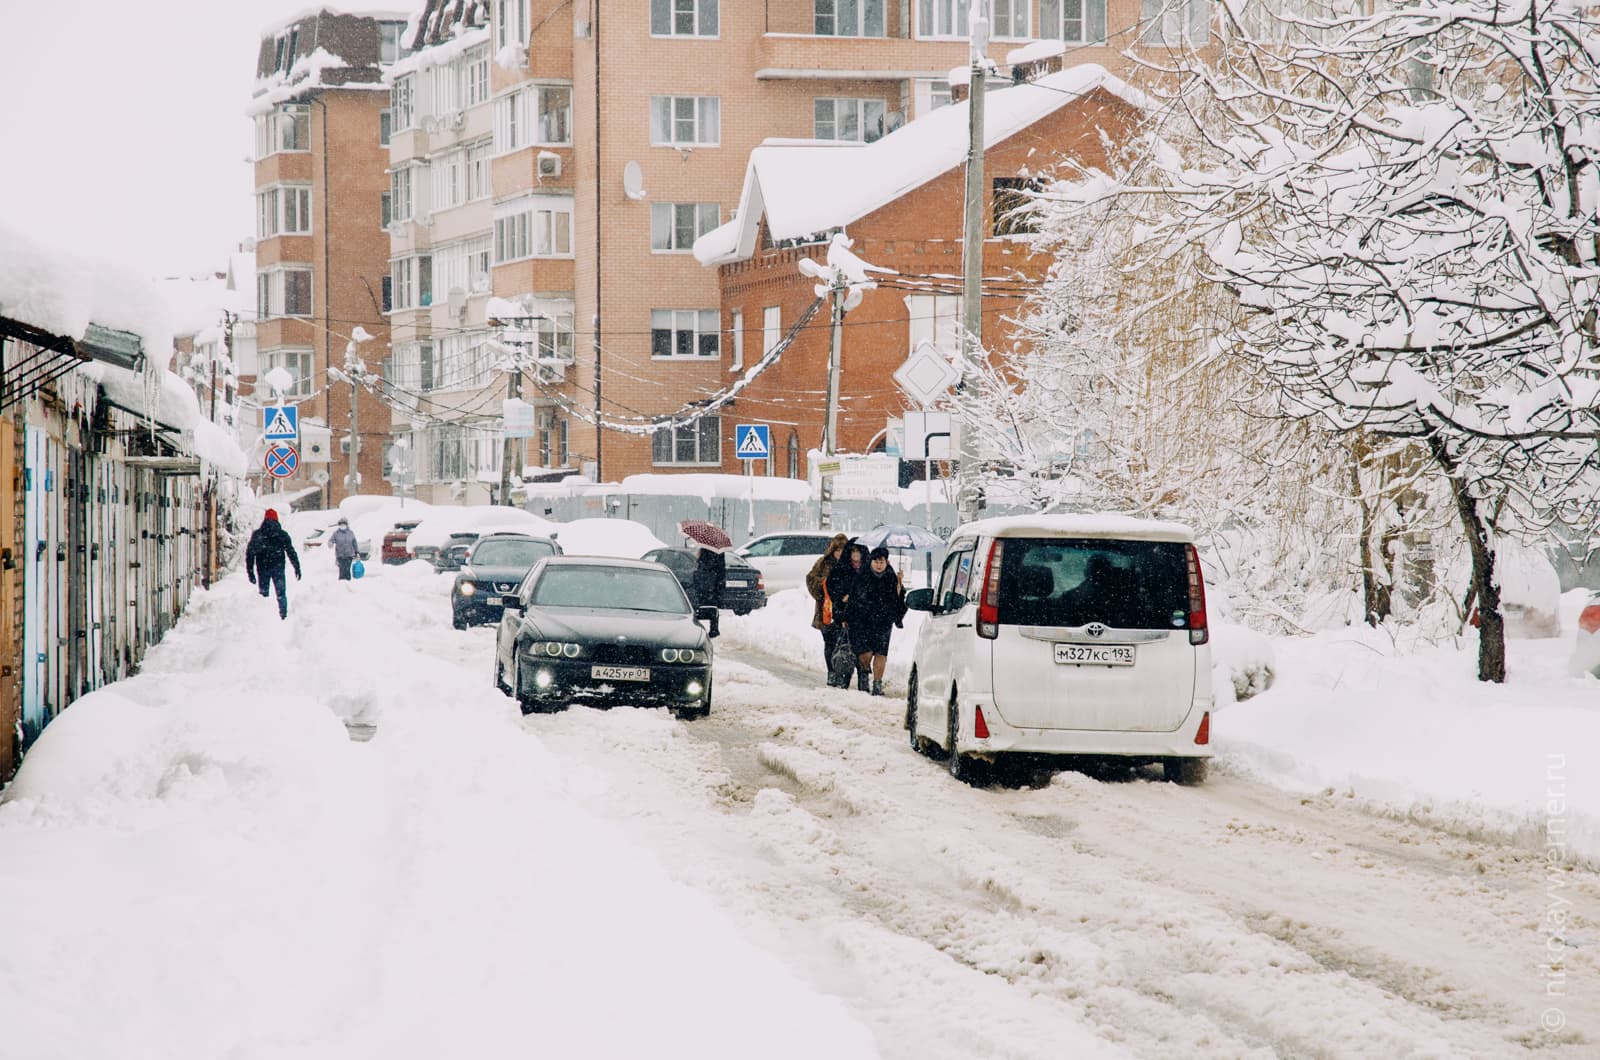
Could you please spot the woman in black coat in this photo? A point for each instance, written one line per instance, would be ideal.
(877, 604)
(840, 581)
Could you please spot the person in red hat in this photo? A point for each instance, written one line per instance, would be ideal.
(264, 556)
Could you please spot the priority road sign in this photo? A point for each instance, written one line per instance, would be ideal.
(752, 441)
(282, 460)
(282, 423)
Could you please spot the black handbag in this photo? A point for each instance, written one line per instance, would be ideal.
(842, 663)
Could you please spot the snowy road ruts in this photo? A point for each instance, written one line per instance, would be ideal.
(1229, 920)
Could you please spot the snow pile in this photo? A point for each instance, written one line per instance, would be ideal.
(444, 520)
(623, 538)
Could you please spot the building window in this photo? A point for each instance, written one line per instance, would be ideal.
(555, 114)
(1009, 19)
(556, 335)
(539, 114)
(699, 442)
(685, 121)
(1073, 21)
(478, 178)
(931, 95)
(1174, 22)
(511, 23)
(475, 64)
(1012, 198)
(402, 96)
(465, 359)
(861, 120)
(413, 282)
(284, 210)
(683, 18)
(385, 126)
(848, 18)
(284, 291)
(286, 128)
(299, 363)
(935, 318)
(287, 45)
(942, 18)
(771, 328)
(552, 439)
(537, 227)
(412, 367)
(385, 209)
(400, 197)
(685, 333)
(794, 454)
(391, 43)
(464, 266)
(388, 294)
(674, 226)
(449, 179)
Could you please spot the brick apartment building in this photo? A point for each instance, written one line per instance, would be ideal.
(322, 251)
(900, 199)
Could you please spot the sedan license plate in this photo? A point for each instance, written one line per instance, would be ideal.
(1095, 654)
(620, 673)
(738, 583)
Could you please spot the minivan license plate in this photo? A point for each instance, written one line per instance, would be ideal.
(1095, 654)
(619, 673)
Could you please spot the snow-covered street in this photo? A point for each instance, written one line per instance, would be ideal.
(214, 867)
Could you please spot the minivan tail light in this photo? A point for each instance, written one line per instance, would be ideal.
(1198, 632)
(1589, 620)
(1202, 735)
(980, 728)
(989, 601)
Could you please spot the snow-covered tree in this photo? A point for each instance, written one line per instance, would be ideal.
(1403, 204)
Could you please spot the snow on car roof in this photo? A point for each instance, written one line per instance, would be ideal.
(1076, 526)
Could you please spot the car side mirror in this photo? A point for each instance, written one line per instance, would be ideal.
(919, 600)
(705, 613)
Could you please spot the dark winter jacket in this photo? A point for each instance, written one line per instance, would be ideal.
(841, 580)
(709, 579)
(264, 556)
(817, 577)
(877, 601)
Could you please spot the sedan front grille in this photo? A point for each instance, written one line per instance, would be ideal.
(625, 654)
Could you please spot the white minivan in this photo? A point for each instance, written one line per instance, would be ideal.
(1059, 635)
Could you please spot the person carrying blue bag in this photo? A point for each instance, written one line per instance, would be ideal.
(345, 548)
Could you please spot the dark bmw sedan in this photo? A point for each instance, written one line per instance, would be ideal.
(596, 630)
(494, 568)
(742, 590)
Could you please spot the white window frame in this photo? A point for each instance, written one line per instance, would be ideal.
(1174, 23)
(685, 121)
(664, 227)
(299, 361)
(283, 123)
(272, 289)
(403, 103)
(464, 359)
(397, 38)
(283, 210)
(523, 118)
(402, 193)
(554, 322)
(668, 18)
(942, 19)
(539, 124)
(828, 18)
(511, 23)
(771, 328)
(703, 430)
(1017, 19)
(858, 111)
(464, 265)
(480, 174)
(931, 94)
(1073, 21)
(411, 279)
(697, 325)
(736, 328)
(475, 75)
(534, 226)
(449, 172)
(934, 318)
(385, 126)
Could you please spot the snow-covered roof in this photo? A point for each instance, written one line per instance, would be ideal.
(197, 303)
(171, 403)
(804, 187)
(62, 293)
(1081, 526)
(438, 54)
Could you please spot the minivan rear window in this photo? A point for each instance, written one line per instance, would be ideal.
(1075, 581)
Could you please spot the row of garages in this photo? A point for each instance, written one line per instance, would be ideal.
(107, 523)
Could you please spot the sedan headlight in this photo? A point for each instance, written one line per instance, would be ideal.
(683, 655)
(466, 589)
(555, 649)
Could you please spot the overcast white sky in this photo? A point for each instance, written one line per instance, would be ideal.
(129, 137)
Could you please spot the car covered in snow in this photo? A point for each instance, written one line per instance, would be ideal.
(599, 630)
(495, 566)
(1072, 635)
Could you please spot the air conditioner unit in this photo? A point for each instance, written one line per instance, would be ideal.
(549, 166)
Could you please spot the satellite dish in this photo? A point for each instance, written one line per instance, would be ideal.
(633, 181)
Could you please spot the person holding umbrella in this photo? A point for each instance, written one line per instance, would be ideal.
(710, 576)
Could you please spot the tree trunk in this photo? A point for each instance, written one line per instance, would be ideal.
(1375, 596)
(1491, 625)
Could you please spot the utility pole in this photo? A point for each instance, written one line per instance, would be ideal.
(972, 264)
(598, 429)
(351, 483)
(830, 434)
(513, 392)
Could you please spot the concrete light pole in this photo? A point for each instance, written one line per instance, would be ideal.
(972, 263)
(353, 371)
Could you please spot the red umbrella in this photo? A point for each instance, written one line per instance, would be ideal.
(706, 535)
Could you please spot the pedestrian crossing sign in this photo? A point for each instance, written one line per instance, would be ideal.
(752, 441)
(282, 423)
